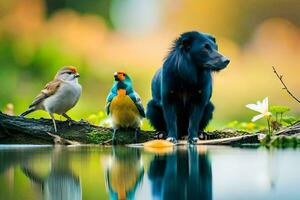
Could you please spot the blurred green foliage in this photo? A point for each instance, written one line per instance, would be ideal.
(103, 120)
(97, 119)
(245, 126)
(279, 109)
(276, 122)
(37, 37)
(289, 120)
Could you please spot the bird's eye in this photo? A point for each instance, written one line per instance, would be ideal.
(69, 73)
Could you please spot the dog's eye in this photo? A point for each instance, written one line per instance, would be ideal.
(207, 47)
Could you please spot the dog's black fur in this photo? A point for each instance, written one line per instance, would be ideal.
(182, 87)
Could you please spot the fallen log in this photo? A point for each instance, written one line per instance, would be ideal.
(290, 130)
(20, 130)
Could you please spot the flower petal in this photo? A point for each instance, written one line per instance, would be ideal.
(266, 103)
(258, 103)
(254, 107)
(257, 117)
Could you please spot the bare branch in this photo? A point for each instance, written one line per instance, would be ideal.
(280, 77)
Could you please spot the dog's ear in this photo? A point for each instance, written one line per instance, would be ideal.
(186, 43)
(212, 38)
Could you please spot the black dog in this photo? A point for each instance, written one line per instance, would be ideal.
(182, 87)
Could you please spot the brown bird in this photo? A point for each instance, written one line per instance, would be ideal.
(59, 95)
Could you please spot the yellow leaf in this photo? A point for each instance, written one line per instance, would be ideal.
(158, 144)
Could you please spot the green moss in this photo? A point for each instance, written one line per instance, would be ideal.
(126, 136)
(282, 141)
(96, 137)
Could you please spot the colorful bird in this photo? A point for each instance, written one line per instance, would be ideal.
(124, 105)
(59, 95)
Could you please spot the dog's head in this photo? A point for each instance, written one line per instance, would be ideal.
(202, 50)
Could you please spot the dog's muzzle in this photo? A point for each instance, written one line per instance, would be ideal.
(217, 63)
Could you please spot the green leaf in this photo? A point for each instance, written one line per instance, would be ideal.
(288, 120)
(279, 109)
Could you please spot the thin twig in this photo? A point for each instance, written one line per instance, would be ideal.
(59, 140)
(284, 85)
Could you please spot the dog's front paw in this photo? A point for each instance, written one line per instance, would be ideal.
(203, 135)
(193, 140)
(172, 139)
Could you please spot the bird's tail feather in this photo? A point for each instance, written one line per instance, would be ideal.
(30, 110)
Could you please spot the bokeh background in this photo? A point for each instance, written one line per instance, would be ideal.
(100, 37)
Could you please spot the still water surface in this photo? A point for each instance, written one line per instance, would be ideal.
(92, 172)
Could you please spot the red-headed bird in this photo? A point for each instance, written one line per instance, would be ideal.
(124, 105)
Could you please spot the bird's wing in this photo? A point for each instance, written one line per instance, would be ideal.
(109, 98)
(138, 102)
(48, 91)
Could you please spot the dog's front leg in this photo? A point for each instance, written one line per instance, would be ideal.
(170, 115)
(194, 122)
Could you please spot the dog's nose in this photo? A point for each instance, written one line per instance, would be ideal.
(225, 60)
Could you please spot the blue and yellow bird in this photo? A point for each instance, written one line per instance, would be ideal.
(124, 105)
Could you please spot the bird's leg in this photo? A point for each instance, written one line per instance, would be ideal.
(70, 120)
(114, 137)
(54, 123)
(67, 116)
(137, 134)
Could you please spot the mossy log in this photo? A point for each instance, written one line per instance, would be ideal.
(20, 130)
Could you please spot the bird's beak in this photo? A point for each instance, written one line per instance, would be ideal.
(116, 76)
(77, 75)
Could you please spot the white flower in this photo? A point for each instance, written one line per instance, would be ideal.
(261, 107)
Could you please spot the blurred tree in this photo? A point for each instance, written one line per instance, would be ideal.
(98, 7)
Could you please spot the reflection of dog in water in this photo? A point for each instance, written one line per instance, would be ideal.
(124, 173)
(181, 175)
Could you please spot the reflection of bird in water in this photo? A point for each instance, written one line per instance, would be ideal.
(10, 177)
(184, 174)
(124, 173)
(61, 183)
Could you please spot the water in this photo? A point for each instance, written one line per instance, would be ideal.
(91, 172)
